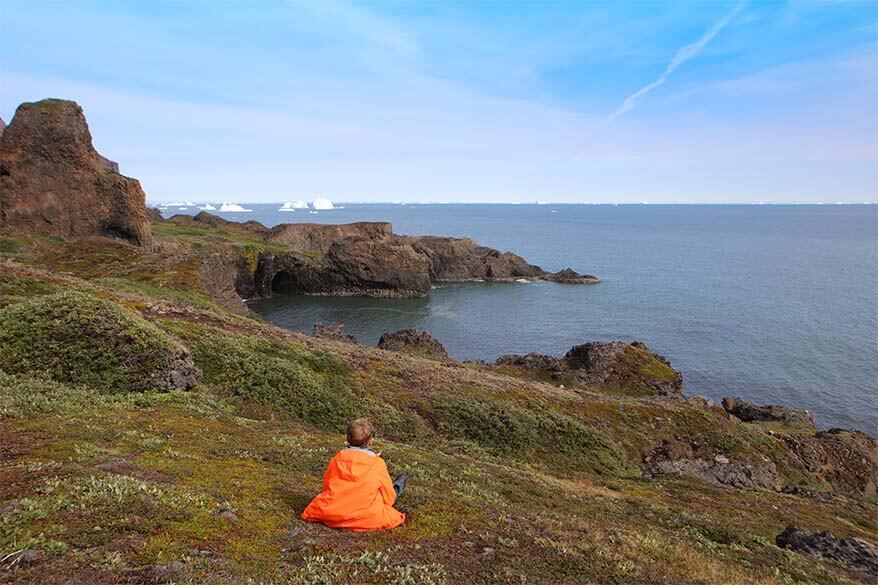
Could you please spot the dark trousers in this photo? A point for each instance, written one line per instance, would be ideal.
(399, 485)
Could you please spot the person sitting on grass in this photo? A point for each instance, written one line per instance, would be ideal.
(358, 493)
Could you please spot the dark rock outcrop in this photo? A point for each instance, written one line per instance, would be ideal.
(413, 342)
(326, 331)
(629, 368)
(749, 412)
(178, 373)
(205, 219)
(461, 260)
(551, 366)
(53, 181)
(857, 555)
(846, 460)
(154, 215)
(2, 127)
(719, 471)
(570, 276)
(222, 273)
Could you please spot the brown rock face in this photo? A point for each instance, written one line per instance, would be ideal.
(53, 181)
(413, 342)
(319, 237)
(459, 260)
(846, 460)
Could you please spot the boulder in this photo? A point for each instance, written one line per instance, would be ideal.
(413, 342)
(53, 181)
(326, 331)
(857, 555)
(749, 412)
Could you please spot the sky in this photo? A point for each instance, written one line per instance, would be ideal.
(561, 101)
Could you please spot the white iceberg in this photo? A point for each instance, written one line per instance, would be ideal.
(322, 204)
(228, 207)
(293, 205)
(208, 207)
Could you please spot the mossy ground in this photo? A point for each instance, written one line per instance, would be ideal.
(512, 481)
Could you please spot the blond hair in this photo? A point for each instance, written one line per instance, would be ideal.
(360, 432)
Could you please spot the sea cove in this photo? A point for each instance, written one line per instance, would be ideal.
(773, 303)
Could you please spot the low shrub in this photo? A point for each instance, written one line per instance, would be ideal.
(72, 337)
(558, 441)
(298, 382)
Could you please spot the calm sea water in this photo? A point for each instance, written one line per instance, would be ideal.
(778, 304)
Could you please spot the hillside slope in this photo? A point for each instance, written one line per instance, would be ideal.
(514, 479)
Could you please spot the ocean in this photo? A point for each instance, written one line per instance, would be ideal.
(777, 304)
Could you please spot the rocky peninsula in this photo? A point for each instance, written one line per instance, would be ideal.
(154, 430)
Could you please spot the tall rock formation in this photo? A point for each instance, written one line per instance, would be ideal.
(53, 181)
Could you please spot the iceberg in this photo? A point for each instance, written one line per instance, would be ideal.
(322, 204)
(293, 205)
(228, 207)
(208, 207)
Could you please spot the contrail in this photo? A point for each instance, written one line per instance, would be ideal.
(683, 55)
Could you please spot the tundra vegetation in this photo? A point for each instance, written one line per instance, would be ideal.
(105, 476)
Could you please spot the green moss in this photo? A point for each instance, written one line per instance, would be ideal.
(295, 381)
(541, 436)
(73, 337)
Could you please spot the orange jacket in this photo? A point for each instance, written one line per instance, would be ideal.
(357, 494)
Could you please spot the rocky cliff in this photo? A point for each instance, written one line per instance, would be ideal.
(53, 181)
(366, 259)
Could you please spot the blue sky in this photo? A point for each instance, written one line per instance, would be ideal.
(719, 101)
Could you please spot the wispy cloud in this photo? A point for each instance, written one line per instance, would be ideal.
(367, 25)
(683, 55)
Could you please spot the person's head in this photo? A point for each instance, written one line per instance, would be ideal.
(360, 432)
